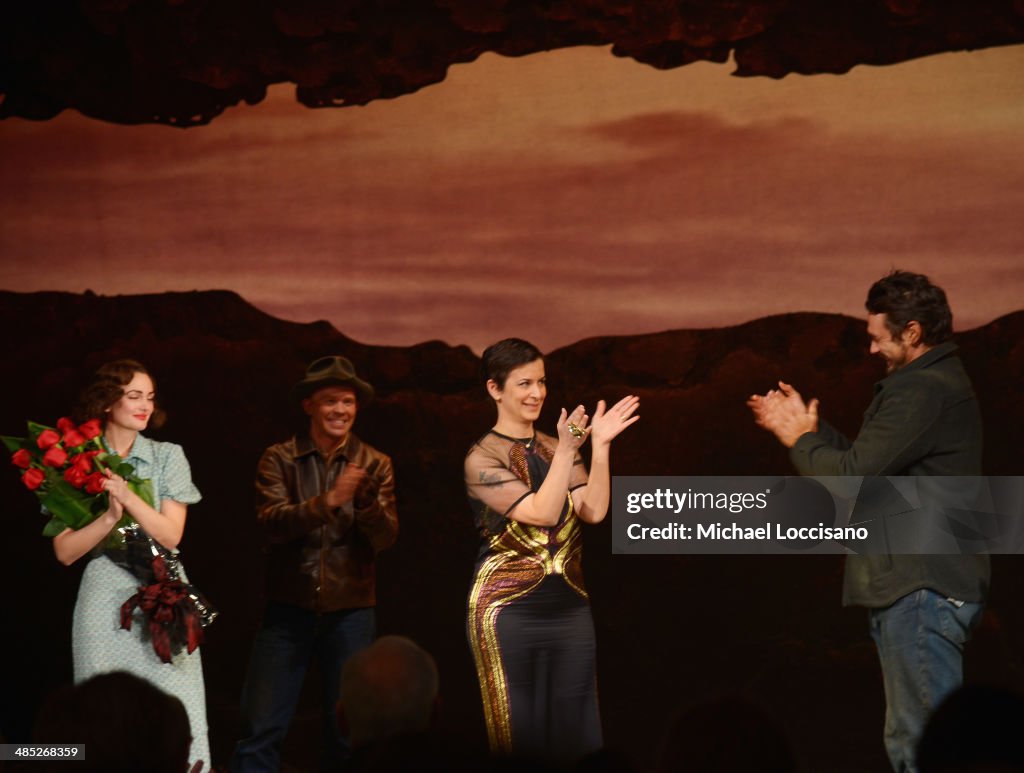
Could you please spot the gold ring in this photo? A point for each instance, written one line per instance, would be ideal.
(576, 431)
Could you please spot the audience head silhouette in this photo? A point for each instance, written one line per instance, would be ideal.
(388, 689)
(126, 723)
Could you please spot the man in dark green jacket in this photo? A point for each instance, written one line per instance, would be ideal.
(923, 421)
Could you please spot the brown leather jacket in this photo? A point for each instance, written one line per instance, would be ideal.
(322, 558)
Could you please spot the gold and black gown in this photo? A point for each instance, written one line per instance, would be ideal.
(530, 626)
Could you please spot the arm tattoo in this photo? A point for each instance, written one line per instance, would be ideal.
(492, 479)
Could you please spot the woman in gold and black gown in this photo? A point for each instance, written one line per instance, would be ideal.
(530, 626)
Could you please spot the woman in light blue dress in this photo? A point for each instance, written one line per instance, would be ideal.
(122, 396)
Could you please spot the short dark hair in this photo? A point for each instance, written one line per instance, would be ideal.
(903, 298)
(502, 358)
(107, 387)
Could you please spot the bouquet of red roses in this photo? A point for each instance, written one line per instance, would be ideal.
(65, 466)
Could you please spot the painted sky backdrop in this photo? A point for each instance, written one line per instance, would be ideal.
(556, 197)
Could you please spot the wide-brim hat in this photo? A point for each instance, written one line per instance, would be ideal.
(331, 371)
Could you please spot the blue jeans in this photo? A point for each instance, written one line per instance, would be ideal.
(288, 640)
(920, 642)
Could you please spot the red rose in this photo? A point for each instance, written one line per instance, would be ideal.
(75, 477)
(64, 424)
(55, 456)
(91, 429)
(94, 483)
(83, 461)
(47, 438)
(22, 458)
(72, 438)
(33, 478)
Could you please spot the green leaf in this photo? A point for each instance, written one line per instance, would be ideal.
(99, 505)
(104, 461)
(123, 469)
(15, 443)
(34, 429)
(69, 504)
(54, 527)
(144, 488)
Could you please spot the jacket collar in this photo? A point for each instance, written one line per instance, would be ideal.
(929, 358)
(304, 446)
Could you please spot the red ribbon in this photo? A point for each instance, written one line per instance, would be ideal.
(169, 611)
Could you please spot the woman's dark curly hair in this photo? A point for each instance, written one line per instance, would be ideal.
(107, 387)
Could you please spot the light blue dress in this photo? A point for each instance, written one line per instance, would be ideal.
(98, 642)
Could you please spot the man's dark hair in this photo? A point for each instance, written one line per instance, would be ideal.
(903, 298)
(502, 358)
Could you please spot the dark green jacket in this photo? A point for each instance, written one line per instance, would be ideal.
(923, 420)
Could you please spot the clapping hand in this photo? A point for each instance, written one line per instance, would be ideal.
(784, 413)
(572, 428)
(117, 488)
(345, 485)
(607, 425)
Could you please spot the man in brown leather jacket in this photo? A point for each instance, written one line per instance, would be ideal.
(326, 501)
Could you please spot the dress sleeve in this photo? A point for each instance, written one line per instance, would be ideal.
(176, 477)
(491, 482)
